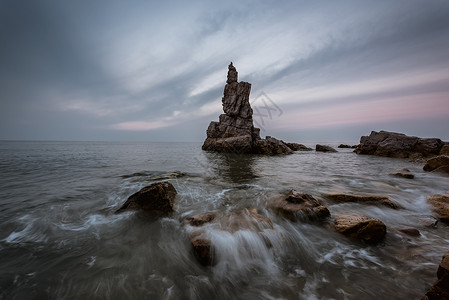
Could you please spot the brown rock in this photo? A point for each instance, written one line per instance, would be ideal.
(272, 146)
(444, 150)
(440, 289)
(230, 221)
(410, 231)
(440, 205)
(366, 199)
(399, 145)
(324, 148)
(436, 162)
(403, 173)
(157, 198)
(296, 206)
(361, 227)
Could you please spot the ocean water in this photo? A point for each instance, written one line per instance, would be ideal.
(60, 238)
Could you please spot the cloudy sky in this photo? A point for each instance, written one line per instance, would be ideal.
(155, 71)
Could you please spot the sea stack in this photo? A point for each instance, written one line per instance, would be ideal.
(235, 131)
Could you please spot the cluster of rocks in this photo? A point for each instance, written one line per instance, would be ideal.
(235, 131)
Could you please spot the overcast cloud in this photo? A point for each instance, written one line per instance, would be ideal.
(153, 71)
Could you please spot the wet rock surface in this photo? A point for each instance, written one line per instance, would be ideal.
(347, 146)
(365, 199)
(392, 144)
(440, 289)
(324, 148)
(157, 199)
(235, 131)
(361, 227)
(405, 173)
(296, 206)
(440, 205)
(437, 164)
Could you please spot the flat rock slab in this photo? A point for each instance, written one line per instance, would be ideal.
(200, 228)
(365, 199)
(324, 148)
(440, 289)
(361, 227)
(299, 206)
(405, 173)
(440, 205)
(157, 198)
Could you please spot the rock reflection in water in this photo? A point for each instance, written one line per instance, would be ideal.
(232, 168)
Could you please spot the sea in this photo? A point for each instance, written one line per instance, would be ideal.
(60, 238)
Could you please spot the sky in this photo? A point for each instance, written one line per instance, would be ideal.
(155, 71)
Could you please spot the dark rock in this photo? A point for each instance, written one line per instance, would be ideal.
(157, 198)
(347, 146)
(297, 147)
(410, 231)
(235, 131)
(440, 289)
(323, 148)
(295, 205)
(361, 227)
(440, 205)
(365, 199)
(399, 145)
(403, 173)
(444, 150)
(437, 164)
(230, 221)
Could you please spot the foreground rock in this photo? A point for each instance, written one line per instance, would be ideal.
(296, 206)
(399, 145)
(437, 164)
(361, 227)
(405, 173)
(440, 205)
(202, 227)
(157, 199)
(235, 131)
(365, 199)
(440, 289)
(323, 148)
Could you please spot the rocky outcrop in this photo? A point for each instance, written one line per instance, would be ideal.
(365, 199)
(347, 146)
(440, 205)
(405, 173)
(235, 131)
(440, 289)
(201, 228)
(297, 147)
(399, 145)
(324, 148)
(361, 227)
(296, 206)
(157, 199)
(437, 164)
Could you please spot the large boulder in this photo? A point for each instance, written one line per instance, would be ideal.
(440, 289)
(324, 148)
(399, 145)
(157, 199)
(361, 227)
(201, 229)
(235, 131)
(440, 205)
(295, 206)
(437, 164)
(365, 199)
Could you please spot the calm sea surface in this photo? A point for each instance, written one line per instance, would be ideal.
(60, 238)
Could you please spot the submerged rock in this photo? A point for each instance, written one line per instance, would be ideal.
(295, 206)
(410, 231)
(324, 148)
(403, 173)
(235, 131)
(437, 164)
(361, 227)
(440, 289)
(202, 228)
(440, 205)
(365, 199)
(398, 145)
(157, 198)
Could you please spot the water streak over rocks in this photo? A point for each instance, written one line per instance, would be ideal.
(440, 289)
(365, 199)
(440, 205)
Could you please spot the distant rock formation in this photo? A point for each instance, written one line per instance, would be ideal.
(324, 148)
(399, 145)
(235, 131)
